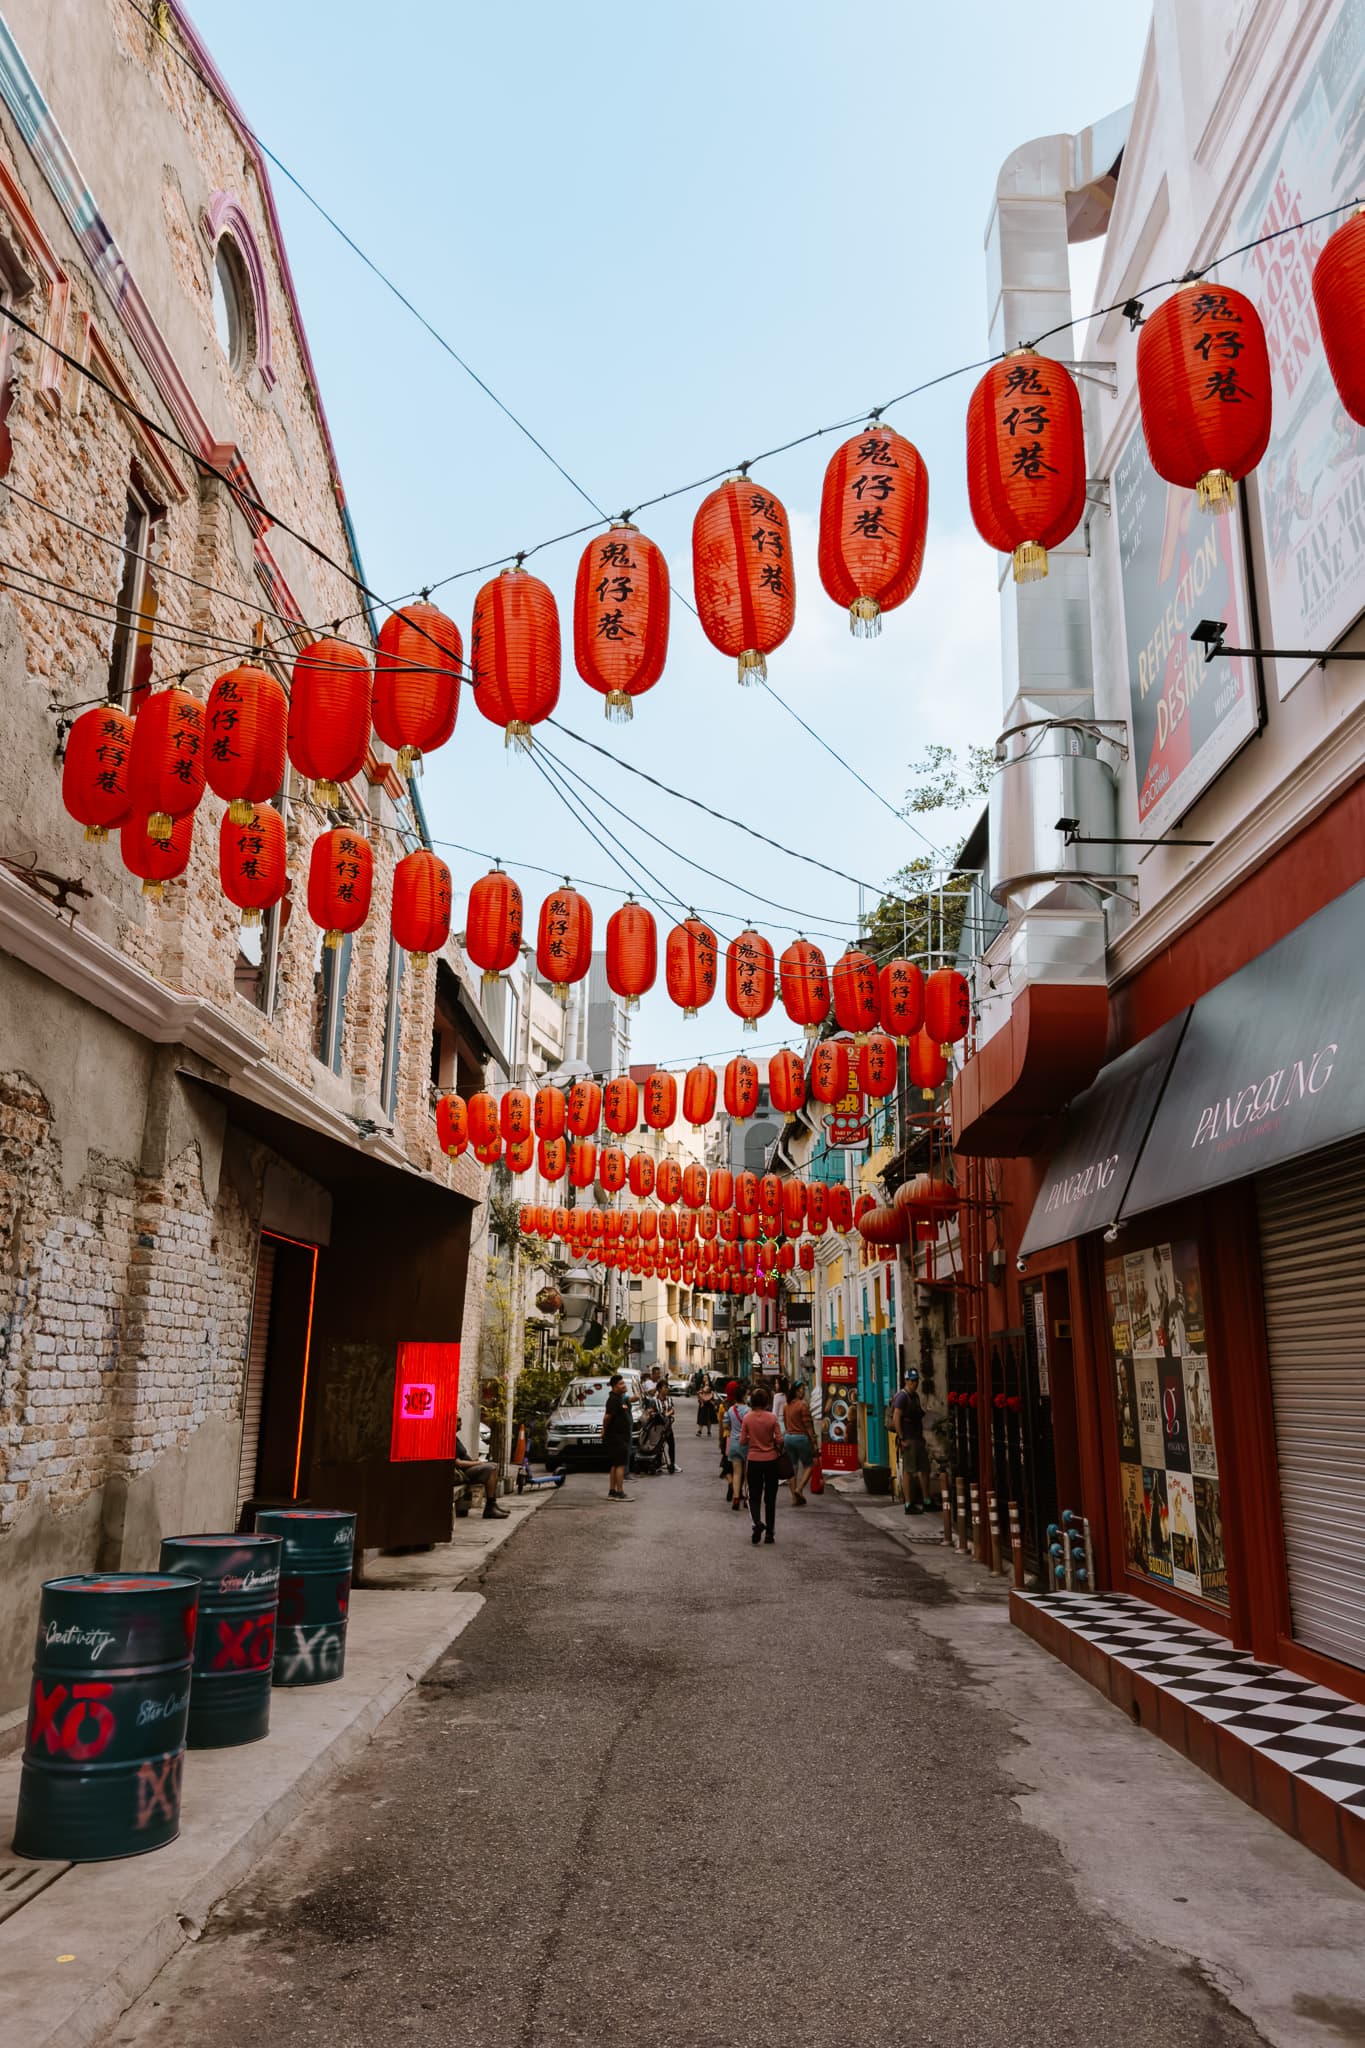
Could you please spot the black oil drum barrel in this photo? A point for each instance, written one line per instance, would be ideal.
(105, 1747)
(234, 1643)
(315, 1592)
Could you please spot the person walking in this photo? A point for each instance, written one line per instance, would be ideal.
(616, 1435)
(908, 1414)
(779, 1402)
(667, 1410)
(706, 1405)
(798, 1435)
(762, 1441)
(736, 1413)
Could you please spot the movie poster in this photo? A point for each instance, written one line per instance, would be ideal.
(1163, 1411)
(1199, 1418)
(1310, 486)
(1184, 1555)
(1157, 1519)
(1208, 1520)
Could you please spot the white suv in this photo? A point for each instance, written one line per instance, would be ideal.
(574, 1432)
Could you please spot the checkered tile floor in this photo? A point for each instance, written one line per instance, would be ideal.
(1314, 1733)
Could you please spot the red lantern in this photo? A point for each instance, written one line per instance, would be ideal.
(668, 1180)
(485, 1120)
(514, 653)
(582, 1162)
(561, 1219)
(329, 716)
(742, 574)
(421, 904)
(632, 952)
(649, 1226)
(817, 1207)
(1339, 300)
(829, 1071)
(787, 1082)
(746, 1193)
(706, 1225)
(841, 1206)
(244, 729)
(901, 1003)
(721, 1190)
(947, 1006)
(340, 879)
(668, 1227)
(793, 1206)
(521, 1154)
(166, 760)
(621, 1105)
(687, 1229)
(690, 965)
(880, 1225)
(156, 861)
(729, 1223)
(699, 1096)
(490, 1154)
(877, 1065)
(1026, 459)
(549, 1112)
(770, 1194)
(564, 940)
(452, 1125)
(805, 986)
(661, 1101)
(927, 1198)
(874, 513)
(807, 1257)
(583, 1109)
(694, 1187)
(641, 1175)
(741, 1088)
(251, 860)
(855, 992)
(417, 668)
(750, 978)
(928, 1067)
(493, 925)
(620, 616)
(786, 1257)
(552, 1157)
(514, 1116)
(1203, 375)
(95, 770)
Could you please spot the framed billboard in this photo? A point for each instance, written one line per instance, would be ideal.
(1178, 565)
(1310, 486)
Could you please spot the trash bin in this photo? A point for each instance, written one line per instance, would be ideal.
(315, 1591)
(234, 1642)
(105, 1747)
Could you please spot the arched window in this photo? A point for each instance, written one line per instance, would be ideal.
(232, 306)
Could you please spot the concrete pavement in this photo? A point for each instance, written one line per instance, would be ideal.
(669, 1788)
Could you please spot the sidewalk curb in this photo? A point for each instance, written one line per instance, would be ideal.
(88, 2022)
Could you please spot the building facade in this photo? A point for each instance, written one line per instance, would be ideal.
(223, 1208)
(1164, 1094)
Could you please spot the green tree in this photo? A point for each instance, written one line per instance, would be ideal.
(923, 909)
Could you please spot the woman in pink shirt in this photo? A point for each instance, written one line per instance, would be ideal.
(762, 1441)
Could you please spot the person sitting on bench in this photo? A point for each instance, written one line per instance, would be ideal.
(474, 1470)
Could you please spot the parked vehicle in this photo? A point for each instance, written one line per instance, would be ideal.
(679, 1386)
(573, 1435)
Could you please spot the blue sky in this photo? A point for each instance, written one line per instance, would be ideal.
(669, 237)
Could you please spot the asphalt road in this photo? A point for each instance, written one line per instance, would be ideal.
(672, 1789)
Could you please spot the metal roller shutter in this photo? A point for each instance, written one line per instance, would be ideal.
(1312, 1218)
(255, 1370)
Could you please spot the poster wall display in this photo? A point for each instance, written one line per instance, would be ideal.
(839, 1415)
(1168, 1455)
(1310, 486)
(1178, 566)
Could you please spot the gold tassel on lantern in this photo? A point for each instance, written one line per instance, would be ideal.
(251, 916)
(517, 734)
(153, 891)
(753, 666)
(160, 825)
(408, 762)
(240, 811)
(1030, 562)
(327, 794)
(1214, 491)
(864, 618)
(96, 832)
(619, 708)
(331, 940)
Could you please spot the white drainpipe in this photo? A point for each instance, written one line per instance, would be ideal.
(1050, 193)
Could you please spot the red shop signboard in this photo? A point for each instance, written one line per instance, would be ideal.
(426, 1402)
(839, 1415)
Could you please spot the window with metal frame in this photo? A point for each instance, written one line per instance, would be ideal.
(130, 658)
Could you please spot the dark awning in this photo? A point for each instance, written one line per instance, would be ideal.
(1270, 1066)
(1102, 1142)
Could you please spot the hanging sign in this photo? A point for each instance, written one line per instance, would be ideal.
(426, 1400)
(847, 1127)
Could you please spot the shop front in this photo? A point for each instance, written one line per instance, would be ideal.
(1203, 1221)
